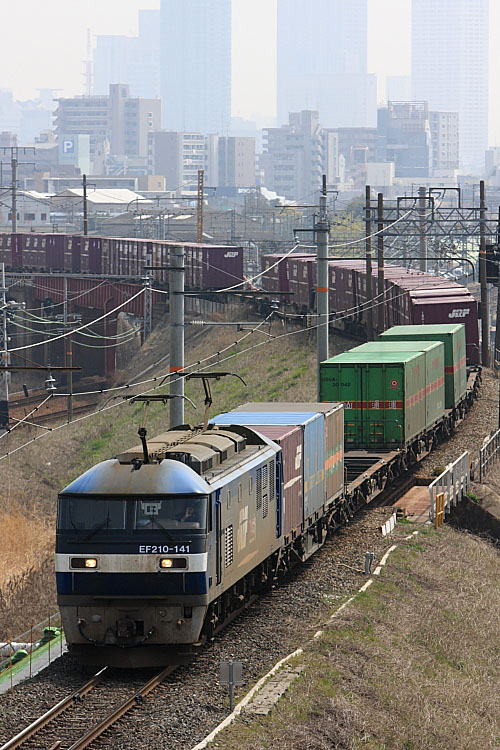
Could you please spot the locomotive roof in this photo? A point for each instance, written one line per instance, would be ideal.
(113, 478)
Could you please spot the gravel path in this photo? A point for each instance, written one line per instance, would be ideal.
(469, 436)
(182, 711)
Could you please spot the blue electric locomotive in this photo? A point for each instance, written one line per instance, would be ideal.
(156, 548)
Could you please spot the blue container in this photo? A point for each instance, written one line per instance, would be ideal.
(313, 447)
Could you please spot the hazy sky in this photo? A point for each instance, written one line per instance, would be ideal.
(46, 42)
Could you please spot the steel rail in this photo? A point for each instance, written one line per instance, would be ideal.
(120, 711)
(53, 712)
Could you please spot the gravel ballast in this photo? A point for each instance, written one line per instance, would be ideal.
(187, 707)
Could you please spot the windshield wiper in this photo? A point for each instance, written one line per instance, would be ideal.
(162, 527)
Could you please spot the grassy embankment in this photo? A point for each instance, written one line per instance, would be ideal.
(411, 663)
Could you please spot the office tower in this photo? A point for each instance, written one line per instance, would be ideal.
(450, 68)
(133, 60)
(321, 56)
(196, 65)
(293, 159)
(122, 120)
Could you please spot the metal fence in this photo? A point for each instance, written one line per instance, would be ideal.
(453, 483)
(488, 453)
(43, 643)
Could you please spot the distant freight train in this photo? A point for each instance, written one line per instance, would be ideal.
(411, 297)
(207, 266)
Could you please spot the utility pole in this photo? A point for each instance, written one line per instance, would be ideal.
(322, 230)
(13, 163)
(380, 262)
(85, 207)
(422, 243)
(485, 312)
(369, 284)
(199, 233)
(176, 286)
(68, 352)
(4, 358)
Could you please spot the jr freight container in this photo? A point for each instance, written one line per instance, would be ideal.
(312, 425)
(453, 337)
(383, 396)
(290, 440)
(334, 437)
(434, 370)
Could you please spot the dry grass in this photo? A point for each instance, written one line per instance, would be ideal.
(26, 539)
(411, 664)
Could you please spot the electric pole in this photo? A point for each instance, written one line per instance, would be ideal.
(369, 284)
(421, 240)
(4, 358)
(14, 195)
(322, 229)
(199, 232)
(14, 164)
(68, 352)
(176, 286)
(485, 312)
(380, 263)
(85, 207)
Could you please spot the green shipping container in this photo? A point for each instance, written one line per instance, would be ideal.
(383, 396)
(434, 368)
(453, 337)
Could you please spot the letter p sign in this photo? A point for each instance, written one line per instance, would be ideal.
(68, 146)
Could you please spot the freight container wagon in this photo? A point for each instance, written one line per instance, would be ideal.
(383, 396)
(333, 415)
(312, 424)
(434, 366)
(290, 440)
(453, 338)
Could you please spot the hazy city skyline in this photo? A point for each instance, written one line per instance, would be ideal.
(51, 54)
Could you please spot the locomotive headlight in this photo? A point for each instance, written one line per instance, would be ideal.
(90, 563)
(166, 563)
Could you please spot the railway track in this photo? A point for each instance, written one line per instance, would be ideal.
(76, 721)
(52, 416)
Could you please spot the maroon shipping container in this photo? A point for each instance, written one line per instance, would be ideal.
(275, 279)
(302, 281)
(460, 309)
(290, 440)
(222, 266)
(75, 250)
(95, 257)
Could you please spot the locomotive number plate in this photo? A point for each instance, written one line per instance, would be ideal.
(163, 549)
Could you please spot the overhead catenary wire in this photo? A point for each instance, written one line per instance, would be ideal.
(80, 328)
(162, 378)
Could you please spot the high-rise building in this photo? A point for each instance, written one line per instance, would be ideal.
(196, 65)
(450, 68)
(293, 158)
(404, 137)
(321, 56)
(123, 120)
(236, 161)
(445, 141)
(134, 59)
(178, 156)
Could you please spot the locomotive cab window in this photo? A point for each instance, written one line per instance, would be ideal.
(91, 515)
(170, 513)
(96, 515)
